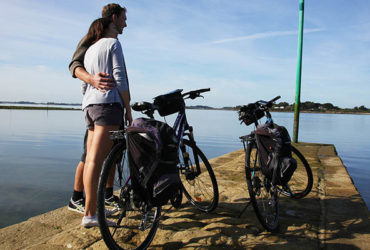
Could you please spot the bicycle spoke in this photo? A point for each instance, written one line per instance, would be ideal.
(199, 187)
(263, 196)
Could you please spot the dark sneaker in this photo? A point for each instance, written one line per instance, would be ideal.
(77, 206)
(112, 201)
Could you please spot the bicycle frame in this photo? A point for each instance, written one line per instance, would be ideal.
(180, 126)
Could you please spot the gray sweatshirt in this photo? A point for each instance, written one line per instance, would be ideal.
(105, 56)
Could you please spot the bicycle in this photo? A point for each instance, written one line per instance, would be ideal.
(264, 195)
(196, 174)
(136, 220)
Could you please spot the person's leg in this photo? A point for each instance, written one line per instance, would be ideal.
(111, 178)
(77, 202)
(110, 199)
(78, 184)
(98, 147)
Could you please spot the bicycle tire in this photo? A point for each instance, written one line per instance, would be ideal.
(129, 218)
(264, 197)
(201, 191)
(301, 181)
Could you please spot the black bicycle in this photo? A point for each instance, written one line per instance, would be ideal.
(136, 220)
(196, 174)
(264, 195)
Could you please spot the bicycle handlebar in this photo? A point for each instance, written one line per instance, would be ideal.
(252, 112)
(273, 100)
(268, 104)
(195, 93)
(147, 107)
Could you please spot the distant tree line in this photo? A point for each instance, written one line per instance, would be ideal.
(308, 106)
(312, 106)
(317, 107)
(42, 103)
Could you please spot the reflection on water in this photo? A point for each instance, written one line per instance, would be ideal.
(40, 149)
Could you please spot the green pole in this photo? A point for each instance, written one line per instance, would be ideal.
(299, 72)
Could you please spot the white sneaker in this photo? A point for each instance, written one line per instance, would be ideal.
(89, 221)
(92, 221)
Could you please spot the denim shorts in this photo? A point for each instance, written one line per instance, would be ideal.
(105, 114)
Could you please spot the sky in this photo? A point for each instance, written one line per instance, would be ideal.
(244, 50)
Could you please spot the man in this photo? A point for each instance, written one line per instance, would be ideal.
(103, 82)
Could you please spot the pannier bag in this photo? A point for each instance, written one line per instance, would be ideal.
(275, 153)
(169, 103)
(153, 158)
(250, 114)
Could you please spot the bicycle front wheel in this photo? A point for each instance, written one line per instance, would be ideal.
(197, 177)
(263, 195)
(136, 223)
(301, 181)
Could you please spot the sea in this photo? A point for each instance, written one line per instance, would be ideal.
(40, 149)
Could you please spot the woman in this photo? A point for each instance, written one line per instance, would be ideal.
(103, 109)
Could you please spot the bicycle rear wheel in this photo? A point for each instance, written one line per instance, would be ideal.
(301, 181)
(264, 197)
(200, 189)
(136, 223)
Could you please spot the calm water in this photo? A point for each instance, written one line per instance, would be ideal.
(39, 151)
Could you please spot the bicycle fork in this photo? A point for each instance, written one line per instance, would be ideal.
(190, 171)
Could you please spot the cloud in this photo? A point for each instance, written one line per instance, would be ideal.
(262, 35)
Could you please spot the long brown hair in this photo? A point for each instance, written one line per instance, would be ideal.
(97, 30)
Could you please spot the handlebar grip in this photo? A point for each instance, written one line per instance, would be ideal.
(203, 90)
(140, 106)
(195, 93)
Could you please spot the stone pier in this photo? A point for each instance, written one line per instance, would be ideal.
(332, 216)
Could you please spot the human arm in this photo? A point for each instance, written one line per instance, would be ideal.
(120, 76)
(100, 80)
(126, 103)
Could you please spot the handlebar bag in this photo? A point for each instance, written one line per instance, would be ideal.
(169, 103)
(250, 114)
(153, 157)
